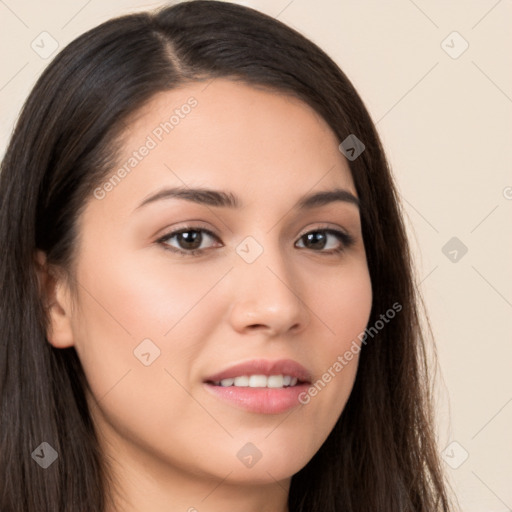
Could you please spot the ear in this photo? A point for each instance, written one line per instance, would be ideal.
(56, 299)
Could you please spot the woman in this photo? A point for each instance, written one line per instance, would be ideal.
(207, 296)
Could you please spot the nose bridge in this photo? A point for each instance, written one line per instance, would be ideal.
(267, 289)
(263, 261)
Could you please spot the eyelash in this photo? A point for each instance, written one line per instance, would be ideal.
(345, 239)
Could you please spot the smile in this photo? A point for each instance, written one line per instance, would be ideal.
(258, 381)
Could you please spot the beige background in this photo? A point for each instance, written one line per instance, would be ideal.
(446, 123)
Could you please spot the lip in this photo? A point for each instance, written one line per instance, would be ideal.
(261, 400)
(264, 367)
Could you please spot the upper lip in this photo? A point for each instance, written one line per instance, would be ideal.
(264, 367)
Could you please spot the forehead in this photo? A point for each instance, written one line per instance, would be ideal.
(224, 134)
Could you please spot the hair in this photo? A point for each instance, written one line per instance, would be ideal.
(381, 454)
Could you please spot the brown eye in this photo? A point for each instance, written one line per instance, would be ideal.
(319, 240)
(187, 241)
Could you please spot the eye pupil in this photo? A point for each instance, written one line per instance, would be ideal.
(190, 239)
(315, 237)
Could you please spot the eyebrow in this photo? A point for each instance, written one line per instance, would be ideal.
(221, 199)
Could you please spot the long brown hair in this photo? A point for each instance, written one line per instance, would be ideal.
(381, 455)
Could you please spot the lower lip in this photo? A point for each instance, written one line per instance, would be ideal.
(260, 400)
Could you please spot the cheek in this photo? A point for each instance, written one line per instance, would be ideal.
(118, 310)
(138, 337)
(341, 303)
(140, 297)
(342, 300)
(139, 318)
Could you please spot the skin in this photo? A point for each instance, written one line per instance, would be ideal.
(169, 443)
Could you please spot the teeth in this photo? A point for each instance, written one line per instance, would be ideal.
(259, 381)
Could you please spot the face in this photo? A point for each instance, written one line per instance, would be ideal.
(174, 290)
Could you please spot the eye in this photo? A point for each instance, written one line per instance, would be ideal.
(188, 239)
(318, 240)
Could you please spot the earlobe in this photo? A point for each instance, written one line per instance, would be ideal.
(55, 297)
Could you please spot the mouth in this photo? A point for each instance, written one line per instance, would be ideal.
(261, 386)
(262, 373)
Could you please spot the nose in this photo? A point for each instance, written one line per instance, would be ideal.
(267, 296)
